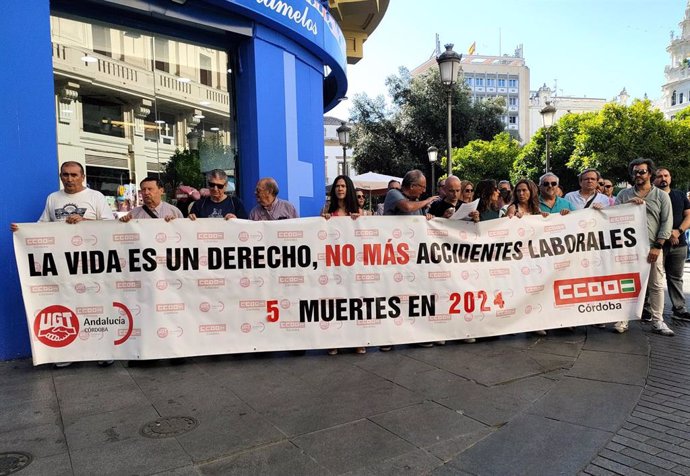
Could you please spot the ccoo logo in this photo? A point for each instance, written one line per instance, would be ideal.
(596, 288)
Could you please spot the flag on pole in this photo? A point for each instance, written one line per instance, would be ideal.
(472, 47)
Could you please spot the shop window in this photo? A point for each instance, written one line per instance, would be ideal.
(129, 115)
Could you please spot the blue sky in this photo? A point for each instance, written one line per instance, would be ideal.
(592, 48)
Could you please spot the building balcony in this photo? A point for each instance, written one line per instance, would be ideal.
(103, 71)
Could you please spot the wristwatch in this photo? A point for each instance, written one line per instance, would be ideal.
(657, 246)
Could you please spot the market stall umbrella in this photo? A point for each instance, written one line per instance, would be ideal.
(373, 182)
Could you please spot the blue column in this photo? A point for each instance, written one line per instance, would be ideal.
(280, 106)
(29, 155)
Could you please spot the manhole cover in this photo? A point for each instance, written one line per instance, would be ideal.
(13, 462)
(168, 427)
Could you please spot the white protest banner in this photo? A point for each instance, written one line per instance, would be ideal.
(154, 289)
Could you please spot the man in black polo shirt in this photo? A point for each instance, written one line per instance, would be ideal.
(675, 248)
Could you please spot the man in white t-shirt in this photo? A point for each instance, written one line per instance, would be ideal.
(73, 204)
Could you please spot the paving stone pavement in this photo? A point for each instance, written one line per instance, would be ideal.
(587, 401)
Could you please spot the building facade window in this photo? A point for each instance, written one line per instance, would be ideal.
(673, 98)
(512, 83)
(512, 120)
(126, 116)
(512, 101)
(490, 82)
(479, 82)
(680, 98)
(501, 83)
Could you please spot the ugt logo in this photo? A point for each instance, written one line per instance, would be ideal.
(56, 326)
(596, 288)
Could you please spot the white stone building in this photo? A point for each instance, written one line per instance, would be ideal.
(333, 151)
(496, 76)
(563, 104)
(676, 91)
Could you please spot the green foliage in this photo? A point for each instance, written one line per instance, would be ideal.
(618, 134)
(482, 159)
(188, 168)
(395, 139)
(531, 161)
(182, 168)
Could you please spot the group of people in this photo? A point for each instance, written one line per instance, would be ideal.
(668, 213)
(667, 210)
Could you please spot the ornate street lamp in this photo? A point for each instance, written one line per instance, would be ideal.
(432, 152)
(449, 64)
(193, 138)
(344, 139)
(548, 113)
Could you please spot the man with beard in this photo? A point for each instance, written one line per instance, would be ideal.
(659, 224)
(675, 248)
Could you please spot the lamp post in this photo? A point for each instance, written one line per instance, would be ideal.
(547, 115)
(432, 152)
(449, 65)
(344, 139)
(193, 140)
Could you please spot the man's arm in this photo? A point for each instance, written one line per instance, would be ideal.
(409, 206)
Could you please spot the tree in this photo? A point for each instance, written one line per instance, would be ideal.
(183, 167)
(482, 159)
(531, 161)
(618, 134)
(395, 139)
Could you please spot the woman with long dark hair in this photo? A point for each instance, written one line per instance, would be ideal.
(342, 199)
(343, 203)
(487, 192)
(525, 200)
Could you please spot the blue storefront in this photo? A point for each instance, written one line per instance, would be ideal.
(126, 80)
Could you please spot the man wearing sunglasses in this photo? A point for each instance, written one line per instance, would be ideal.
(675, 248)
(606, 187)
(218, 204)
(549, 201)
(659, 224)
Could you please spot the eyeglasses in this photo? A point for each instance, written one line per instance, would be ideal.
(216, 185)
(608, 186)
(601, 184)
(639, 172)
(468, 190)
(549, 184)
(360, 196)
